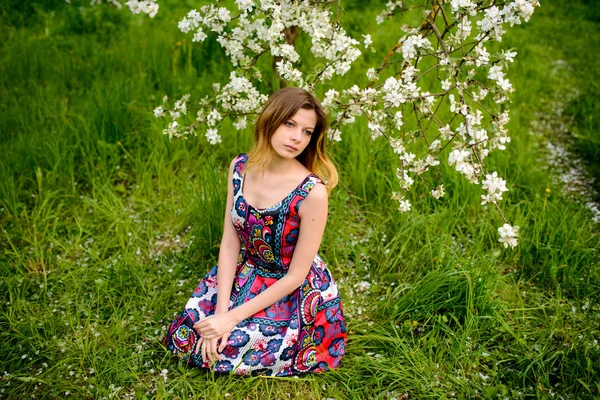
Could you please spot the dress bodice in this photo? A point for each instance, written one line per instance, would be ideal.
(268, 235)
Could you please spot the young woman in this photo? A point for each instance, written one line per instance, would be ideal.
(270, 306)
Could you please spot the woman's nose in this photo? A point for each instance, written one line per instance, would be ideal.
(297, 135)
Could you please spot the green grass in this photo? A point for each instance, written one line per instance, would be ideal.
(107, 226)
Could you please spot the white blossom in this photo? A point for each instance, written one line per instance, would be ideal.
(147, 7)
(398, 120)
(330, 98)
(508, 55)
(245, 5)
(159, 112)
(335, 135)
(240, 123)
(464, 28)
(405, 180)
(483, 57)
(495, 187)
(508, 235)
(438, 192)
(372, 74)
(412, 44)
(212, 135)
(248, 28)
(375, 129)
(446, 84)
(199, 36)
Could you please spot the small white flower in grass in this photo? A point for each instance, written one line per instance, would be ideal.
(368, 41)
(164, 373)
(508, 235)
(362, 286)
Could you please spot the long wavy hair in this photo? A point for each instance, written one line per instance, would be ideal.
(281, 106)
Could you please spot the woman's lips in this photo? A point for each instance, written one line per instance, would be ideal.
(291, 147)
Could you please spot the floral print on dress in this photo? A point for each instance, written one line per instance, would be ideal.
(303, 332)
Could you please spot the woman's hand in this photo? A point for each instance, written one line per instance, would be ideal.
(208, 348)
(215, 326)
(209, 327)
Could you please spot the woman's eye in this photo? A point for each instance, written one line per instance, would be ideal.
(289, 124)
(308, 133)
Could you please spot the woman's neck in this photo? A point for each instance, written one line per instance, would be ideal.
(279, 164)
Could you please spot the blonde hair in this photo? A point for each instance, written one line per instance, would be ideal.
(281, 106)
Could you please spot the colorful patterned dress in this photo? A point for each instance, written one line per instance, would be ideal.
(303, 332)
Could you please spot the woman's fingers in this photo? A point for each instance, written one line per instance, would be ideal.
(198, 343)
(206, 351)
(224, 339)
(213, 349)
(202, 329)
(201, 322)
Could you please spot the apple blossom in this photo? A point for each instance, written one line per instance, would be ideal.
(456, 44)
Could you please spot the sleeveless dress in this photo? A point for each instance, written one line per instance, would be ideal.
(303, 332)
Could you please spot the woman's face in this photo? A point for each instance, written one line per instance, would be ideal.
(293, 135)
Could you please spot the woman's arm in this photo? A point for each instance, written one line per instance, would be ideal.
(313, 215)
(228, 253)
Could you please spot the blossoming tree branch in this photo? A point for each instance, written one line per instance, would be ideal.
(450, 39)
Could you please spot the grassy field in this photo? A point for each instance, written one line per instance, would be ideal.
(107, 226)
